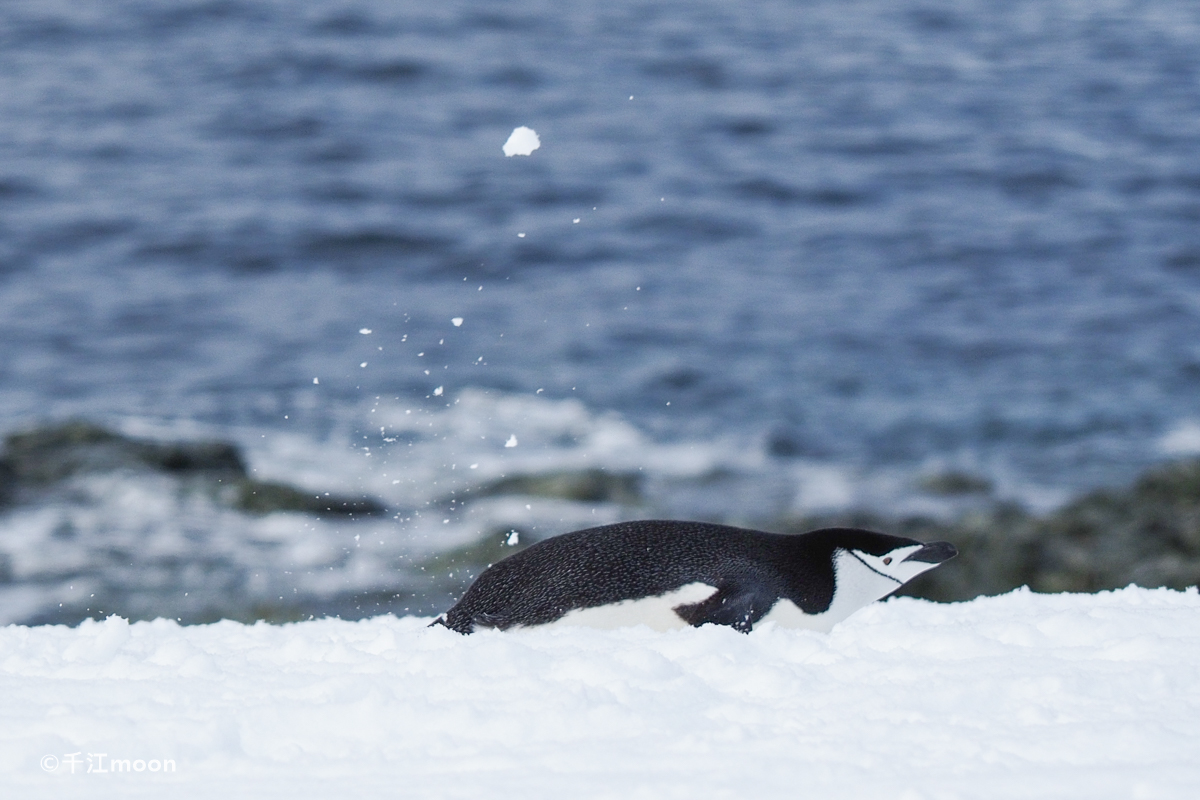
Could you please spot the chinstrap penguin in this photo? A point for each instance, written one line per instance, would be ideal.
(669, 574)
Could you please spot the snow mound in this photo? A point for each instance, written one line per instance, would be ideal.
(1023, 695)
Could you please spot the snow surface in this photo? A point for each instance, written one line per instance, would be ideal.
(1024, 695)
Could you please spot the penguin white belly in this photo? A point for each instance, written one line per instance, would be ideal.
(787, 614)
(857, 586)
(656, 612)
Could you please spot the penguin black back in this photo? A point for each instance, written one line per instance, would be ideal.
(746, 573)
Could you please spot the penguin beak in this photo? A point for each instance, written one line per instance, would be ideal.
(934, 553)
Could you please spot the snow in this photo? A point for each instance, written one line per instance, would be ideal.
(1024, 695)
(522, 142)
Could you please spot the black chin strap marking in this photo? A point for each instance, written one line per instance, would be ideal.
(868, 566)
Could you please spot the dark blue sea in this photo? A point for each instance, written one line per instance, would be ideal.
(775, 258)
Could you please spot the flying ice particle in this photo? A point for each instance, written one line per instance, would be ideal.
(513, 538)
(522, 142)
(364, 331)
(512, 441)
(316, 380)
(456, 322)
(437, 392)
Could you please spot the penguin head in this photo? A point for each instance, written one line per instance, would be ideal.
(903, 560)
(869, 566)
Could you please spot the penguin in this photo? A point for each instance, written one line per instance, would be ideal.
(671, 574)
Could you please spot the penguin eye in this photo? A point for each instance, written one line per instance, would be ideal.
(887, 560)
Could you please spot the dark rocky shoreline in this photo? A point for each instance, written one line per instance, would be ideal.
(1147, 533)
(36, 462)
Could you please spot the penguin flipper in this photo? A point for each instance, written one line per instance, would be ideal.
(737, 607)
(467, 623)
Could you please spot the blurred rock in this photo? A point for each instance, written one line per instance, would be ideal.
(1148, 534)
(260, 497)
(951, 484)
(44, 456)
(35, 461)
(584, 486)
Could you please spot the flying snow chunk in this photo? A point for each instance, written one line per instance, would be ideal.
(512, 441)
(364, 331)
(514, 538)
(456, 322)
(438, 391)
(522, 142)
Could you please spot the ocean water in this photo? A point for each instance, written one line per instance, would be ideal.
(771, 257)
